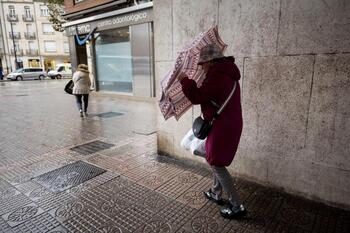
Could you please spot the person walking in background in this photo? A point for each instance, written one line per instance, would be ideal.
(81, 88)
(222, 77)
(1, 73)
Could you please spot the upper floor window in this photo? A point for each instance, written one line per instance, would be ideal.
(47, 28)
(50, 46)
(44, 11)
(27, 11)
(12, 10)
(66, 47)
(31, 45)
(29, 28)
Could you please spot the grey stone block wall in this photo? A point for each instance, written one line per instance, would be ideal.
(294, 58)
(314, 26)
(249, 27)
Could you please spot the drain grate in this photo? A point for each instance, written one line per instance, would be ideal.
(92, 147)
(109, 114)
(68, 176)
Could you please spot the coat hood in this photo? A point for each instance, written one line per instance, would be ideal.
(227, 66)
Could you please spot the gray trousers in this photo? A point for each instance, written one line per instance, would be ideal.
(224, 181)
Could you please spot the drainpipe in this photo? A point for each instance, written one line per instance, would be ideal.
(14, 46)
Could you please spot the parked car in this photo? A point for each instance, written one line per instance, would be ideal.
(27, 73)
(61, 70)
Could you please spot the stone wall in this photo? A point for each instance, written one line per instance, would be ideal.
(294, 58)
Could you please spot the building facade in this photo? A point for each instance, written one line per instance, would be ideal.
(115, 38)
(28, 36)
(294, 58)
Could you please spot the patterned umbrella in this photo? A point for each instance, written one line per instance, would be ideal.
(173, 102)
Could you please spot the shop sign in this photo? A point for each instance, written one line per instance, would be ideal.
(112, 22)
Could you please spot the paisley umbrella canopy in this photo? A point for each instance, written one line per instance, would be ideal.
(173, 102)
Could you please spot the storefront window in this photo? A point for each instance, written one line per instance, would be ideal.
(33, 62)
(114, 60)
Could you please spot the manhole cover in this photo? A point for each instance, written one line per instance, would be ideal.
(109, 114)
(68, 176)
(91, 147)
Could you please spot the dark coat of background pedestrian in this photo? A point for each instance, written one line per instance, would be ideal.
(224, 137)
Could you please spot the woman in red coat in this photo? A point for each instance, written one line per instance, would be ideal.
(222, 76)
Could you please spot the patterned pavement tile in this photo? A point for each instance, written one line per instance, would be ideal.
(79, 190)
(12, 203)
(194, 196)
(330, 219)
(22, 214)
(144, 170)
(178, 185)
(79, 216)
(53, 200)
(157, 224)
(176, 213)
(6, 190)
(105, 193)
(110, 164)
(4, 227)
(154, 201)
(343, 222)
(17, 175)
(202, 223)
(301, 213)
(59, 229)
(137, 161)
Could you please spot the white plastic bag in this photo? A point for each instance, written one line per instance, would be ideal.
(198, 147)
(186, 141)
(193, 144)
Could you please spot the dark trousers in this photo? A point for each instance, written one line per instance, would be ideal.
(80, 98)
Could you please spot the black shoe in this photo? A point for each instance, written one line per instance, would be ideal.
(231, 212)
(211, 196)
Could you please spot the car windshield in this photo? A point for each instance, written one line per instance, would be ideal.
(60, 68)
(18, 71)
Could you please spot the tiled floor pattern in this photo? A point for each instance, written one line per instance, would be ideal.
(139, 192)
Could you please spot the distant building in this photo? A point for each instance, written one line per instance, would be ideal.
(27, 34)
(115, 39)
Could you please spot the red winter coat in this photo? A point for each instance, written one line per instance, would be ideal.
(223, 139)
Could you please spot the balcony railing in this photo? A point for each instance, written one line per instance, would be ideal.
(12, 18)
(29, 35)
(15, 35)
(28, 18)
(18, 52)
(33, 52)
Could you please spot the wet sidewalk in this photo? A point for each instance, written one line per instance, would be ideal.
(61, 173)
